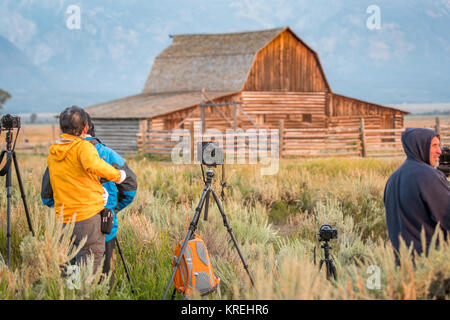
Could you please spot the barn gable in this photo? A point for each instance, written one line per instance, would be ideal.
(287, 64)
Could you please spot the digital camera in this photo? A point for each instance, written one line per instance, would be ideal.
(9, 122)
(209, 153)
(444, 161)
(326, 233)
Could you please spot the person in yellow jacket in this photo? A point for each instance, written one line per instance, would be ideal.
(74, 170)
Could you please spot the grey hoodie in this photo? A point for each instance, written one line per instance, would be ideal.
(416, 195)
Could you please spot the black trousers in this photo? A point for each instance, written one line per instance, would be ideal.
(95, 243)
(109, 250)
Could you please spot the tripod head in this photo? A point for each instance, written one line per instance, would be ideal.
(210, 174)
(8, 123)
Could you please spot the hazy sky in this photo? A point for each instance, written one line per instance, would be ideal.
(406, 59)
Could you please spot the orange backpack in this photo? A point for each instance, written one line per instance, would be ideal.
(195, 270)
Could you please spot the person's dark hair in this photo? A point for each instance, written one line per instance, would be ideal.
(91, 130)
(73, 120)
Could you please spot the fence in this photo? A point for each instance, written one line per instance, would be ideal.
(306, 142)
(244, 144)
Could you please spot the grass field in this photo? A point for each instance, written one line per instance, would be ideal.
(275, 220)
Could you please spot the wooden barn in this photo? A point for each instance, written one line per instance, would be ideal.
(255, 79)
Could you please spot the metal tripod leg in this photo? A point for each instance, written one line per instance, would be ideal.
(192, 227)
(331, 270)
(230, 231)
(22, 192)
(124, 264)
(8, 205)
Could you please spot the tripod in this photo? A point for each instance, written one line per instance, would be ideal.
(124, 264)
(6, 170)
(194, 223)
(330, 268)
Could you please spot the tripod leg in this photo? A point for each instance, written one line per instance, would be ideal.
(190, 233)
(7, 169)
(205, 214)
(230, 231)
(333, 270)
(328, 267)
(22, 192)
(124, 264)
(173, 293)
(2, 155)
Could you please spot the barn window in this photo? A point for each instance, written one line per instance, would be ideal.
(307, 117)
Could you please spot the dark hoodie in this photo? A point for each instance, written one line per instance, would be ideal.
(416, 195)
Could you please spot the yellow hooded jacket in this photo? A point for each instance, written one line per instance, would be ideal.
(74, 167)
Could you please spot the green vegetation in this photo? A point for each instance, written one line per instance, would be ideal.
(274, 218)
(4, 96)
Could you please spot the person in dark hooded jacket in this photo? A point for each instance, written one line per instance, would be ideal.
(417, 195)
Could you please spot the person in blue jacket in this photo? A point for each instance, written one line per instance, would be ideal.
(118, 196)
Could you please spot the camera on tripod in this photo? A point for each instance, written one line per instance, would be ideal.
(9, 122)
(326, 233)
(210, 153)
(444, 161)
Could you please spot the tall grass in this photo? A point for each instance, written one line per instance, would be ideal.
(275, 220)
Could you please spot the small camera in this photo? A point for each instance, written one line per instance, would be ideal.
(326, 233)
(9, 122)
(210, 153)
(444, 161)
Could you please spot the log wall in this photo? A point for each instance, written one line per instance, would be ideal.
(118, 134)
(297, 109)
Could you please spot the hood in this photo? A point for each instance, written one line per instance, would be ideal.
(416, 143)
(61, 147)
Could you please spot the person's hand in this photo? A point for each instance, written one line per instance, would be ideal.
(123, 176)
(105, 196)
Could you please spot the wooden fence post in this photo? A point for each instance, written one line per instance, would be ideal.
(437, 126)
(54, 134)
(143, 131)
(281, 133)
(363, 139)
(191, 134)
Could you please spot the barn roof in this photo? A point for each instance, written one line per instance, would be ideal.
(216, 62)
(148, 105)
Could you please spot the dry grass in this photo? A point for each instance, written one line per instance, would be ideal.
(425, 121)
(275, 220)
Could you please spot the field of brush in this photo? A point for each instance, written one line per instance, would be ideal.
(275, 220)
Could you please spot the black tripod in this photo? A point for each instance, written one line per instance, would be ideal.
(330, 268)
(194, 223)
(124, 265)
(6, 170)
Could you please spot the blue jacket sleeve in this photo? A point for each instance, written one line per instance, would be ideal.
(47, 191)
(126, 191)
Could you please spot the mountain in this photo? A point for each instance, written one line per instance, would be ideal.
(46, 65)
(16, 70)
